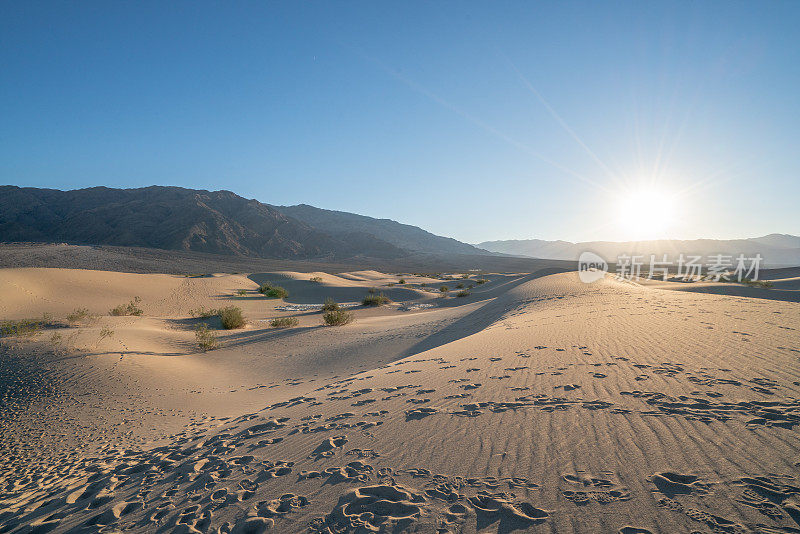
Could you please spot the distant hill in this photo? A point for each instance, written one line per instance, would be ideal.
(339, 223)
(174, 218)
(778, 250)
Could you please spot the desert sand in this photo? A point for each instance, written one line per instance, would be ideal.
(536, 403)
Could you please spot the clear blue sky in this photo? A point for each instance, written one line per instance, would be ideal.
(479, 121)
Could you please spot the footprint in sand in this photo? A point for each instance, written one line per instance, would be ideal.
(374, 508)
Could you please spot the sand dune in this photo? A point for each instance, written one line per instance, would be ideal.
(536, 404)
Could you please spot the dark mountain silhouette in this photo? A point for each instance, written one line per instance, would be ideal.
(174, 218)
(401, 235)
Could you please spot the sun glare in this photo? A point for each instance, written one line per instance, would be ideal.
(645, 214)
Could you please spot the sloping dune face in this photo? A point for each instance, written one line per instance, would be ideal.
(554, 406)
(29, 292)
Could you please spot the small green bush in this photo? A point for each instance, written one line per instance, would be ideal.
(444, 289)
(330, 305)
(231, 317)
(464, 276)
(132, 308)
(105, 332)
(463, 293)
(401, 281)
(337, 317)
(315, 279)
(757, 283)
(203, 313)
(206, 339)
(284, 322)
(20, 328)
(78, 315)
(277, 292)
(375, 300)
(480, 281)
(459, 286)
(264, 288)
(241, 292)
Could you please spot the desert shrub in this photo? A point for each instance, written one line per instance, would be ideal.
(20, 328)
(459, 286)
(264, 288)
(231, 317)
(480, 281)
(284, 322)
(464, 276)
(132, 308)
(372, 290)
(206, 339)
(241, 292)
(401, 281)
(315, 279)
(105, 332)
(375, 300)
(330, 305)
(203, 313)
(463, 293)
(444, 289)
(757, 283)
(337, 317)
(78, 315)
(276, 292)
(469, 286)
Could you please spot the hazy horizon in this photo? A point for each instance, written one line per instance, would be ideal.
(477, 122)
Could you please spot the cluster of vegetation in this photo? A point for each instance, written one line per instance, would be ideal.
(315, 279)
(330, 305)
(79, 315)
(21, 328)
(375, 299)
(459, 286)
(274, 292)
(203, 313)
(231, 317)
(758, 283)
(241, 292)
(105, 332)
(337, 317)
(132, 308)
(444, 289)
(463, 293)
(206, 339)
(284, 322)
(401, 281)
(480, 281)
(464, 276)
(428, 275)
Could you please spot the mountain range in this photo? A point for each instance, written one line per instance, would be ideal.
(221, 222)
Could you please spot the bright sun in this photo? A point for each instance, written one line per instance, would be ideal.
(645, 214)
